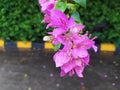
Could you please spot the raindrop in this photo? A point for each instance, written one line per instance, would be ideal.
(29, 88)
(57, 85)
(82, 83)
(114, 62)
(116, 77)
(25, 75)
(51, 74)
(105, 75)
(44, 66)
(113, 84)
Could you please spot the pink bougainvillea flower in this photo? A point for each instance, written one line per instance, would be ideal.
(61, 57)
(66, 41)
(71, 73)
(57, 36)
(46, 5)
(74, 56)
(79, 52)
(57, 31)
(72, 66)
(54, 40)
(60, 38)
(85, 60)
(46, 18)
(58, 19)
(77, 28)
(67, 67)
(79, 57)
(41, 2)
(83, 41)
(71, 22)
(67, 46)
(79, 71)
(71, 70)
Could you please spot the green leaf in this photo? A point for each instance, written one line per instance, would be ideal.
(81, 2)
(57, 47)
(61, 6)
(76, 17)
(71, 7)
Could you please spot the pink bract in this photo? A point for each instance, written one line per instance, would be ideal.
(61, 58)
(46, 19)
(46, 5)
(77, 28)
(72, 66)
(58, 19)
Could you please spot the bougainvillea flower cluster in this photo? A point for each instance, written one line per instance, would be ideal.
(73, 57)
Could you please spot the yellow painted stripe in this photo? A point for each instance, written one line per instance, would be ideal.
(21, 44)
(2, 43)
(48, 45)
(107, 47)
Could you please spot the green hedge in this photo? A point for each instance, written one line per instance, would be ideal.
(102, 18)
(21, 20)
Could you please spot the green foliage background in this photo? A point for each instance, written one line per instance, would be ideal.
(21, 20)
(102, 18)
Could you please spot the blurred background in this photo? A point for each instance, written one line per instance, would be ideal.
(21, 20)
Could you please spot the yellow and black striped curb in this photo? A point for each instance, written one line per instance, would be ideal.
(21, 45)
(48, 45)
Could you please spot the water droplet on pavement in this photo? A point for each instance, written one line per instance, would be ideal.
(105, 75)
(51, 74)
(113, 84)
(44, 66)
(57, 85)
(116, 77)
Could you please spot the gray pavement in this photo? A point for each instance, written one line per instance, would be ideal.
(35, 70)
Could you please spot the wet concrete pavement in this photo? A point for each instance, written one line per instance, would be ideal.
(35, 70)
